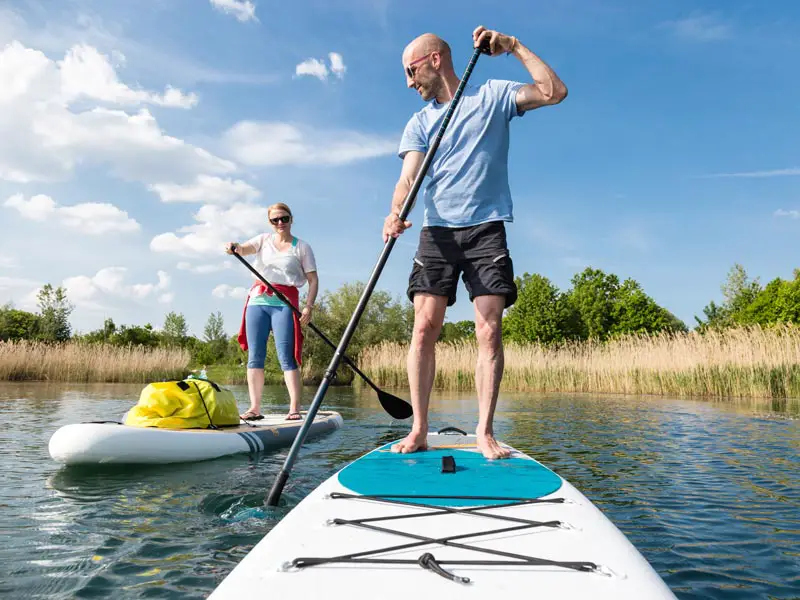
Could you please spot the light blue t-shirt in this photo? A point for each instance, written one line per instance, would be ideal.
(467, 182)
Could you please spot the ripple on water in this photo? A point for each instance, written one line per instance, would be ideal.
(710, 495)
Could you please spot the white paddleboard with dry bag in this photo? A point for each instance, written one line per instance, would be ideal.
(444, 523)
(179, 421)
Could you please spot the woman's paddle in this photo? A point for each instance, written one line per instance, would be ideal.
(277, 487)
(396, 407)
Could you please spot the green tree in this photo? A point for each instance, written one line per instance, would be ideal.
(54, 312)
(17, 324)
(541, 313)
(383, 319)
(135, 336)
(739, 292)
(174, 330)
(460, 330)
(778, 302)
(109, 329)
(593, 296)
(214, 334)
(636, 312)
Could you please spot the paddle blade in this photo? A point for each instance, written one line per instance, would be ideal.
(396, 407)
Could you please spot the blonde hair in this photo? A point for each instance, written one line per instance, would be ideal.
(279, 206)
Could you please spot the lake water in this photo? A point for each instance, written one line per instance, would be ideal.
(708, 492)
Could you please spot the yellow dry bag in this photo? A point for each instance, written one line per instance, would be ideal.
(185, 404)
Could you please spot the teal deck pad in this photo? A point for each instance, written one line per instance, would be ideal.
(383, 472)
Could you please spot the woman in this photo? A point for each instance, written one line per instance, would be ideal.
(287, 263)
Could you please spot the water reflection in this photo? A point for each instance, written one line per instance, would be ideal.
(709, 492)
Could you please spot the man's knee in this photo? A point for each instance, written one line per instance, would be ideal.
(426, 330)
(489, 333)
(489, 319)
(428, 319)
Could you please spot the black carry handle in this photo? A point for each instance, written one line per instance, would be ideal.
(453, 429)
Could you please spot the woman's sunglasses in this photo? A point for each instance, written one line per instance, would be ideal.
(281, 219)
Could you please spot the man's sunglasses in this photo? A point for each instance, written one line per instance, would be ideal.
(411, 72)
(281, 219)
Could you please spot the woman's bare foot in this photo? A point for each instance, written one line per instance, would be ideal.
(490, 448)
(414, 441)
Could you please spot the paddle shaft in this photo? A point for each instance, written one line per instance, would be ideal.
(284, 299)
(277, 487)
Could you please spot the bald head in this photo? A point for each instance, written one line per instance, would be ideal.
(429, 66)
(428, 42)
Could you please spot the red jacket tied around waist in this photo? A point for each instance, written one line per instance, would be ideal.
(292, 294)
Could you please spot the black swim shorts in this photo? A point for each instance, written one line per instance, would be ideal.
(478, 253)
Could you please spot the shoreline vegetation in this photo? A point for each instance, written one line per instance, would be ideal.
(750, 361)
(753, 361)
(601, 335)
(78, 362)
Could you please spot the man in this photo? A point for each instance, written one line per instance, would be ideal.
(467, 200)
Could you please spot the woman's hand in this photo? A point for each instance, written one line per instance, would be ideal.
(306, 317)
(230, 247)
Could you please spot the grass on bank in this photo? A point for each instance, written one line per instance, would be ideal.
(83, 363)
(237, 374)
(741, 362)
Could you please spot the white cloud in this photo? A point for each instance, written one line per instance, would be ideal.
(91, 218)
(97, 218)
(273, 143)
(215, 226)
(109, 283)
(202, 269)
(337, 64)
(8, 262)
(166, 298)
(60, 30)
(772, 173)
(207, 189)
(792, 214)
(243, 10)
(45, 137)
(700, 27)
(10, 283)
(224, 290)
(85, 72)
(317, 68)
(314, 67)
(38, 208)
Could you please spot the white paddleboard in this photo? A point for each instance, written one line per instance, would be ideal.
(115, 443)
(341, 542)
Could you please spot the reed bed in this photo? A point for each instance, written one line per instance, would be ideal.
(84, 363)
(741, 362)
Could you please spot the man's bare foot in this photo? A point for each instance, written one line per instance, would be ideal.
(490, 448)
(413, 442)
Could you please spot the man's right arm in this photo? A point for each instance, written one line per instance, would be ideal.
(412, 161)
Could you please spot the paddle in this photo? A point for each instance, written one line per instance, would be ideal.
(277, 487)
(396, 407)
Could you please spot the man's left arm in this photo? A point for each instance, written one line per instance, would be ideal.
(546, 89)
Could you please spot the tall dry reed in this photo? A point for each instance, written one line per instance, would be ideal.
(80, 362)
(741, 362)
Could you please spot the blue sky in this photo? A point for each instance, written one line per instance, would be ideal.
(136, 138)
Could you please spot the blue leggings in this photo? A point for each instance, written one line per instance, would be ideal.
(259, 320)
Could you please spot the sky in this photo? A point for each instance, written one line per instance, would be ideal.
(136, 138)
